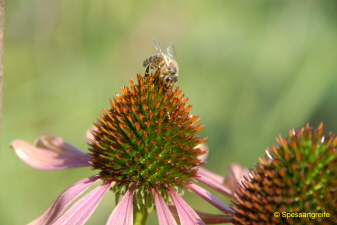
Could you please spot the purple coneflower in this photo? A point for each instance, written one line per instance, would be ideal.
(146, 152)
(296, 183)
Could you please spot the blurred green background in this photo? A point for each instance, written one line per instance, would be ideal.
(251, 70)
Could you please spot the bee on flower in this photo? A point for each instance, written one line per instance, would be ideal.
(144, 149)
(165, 63)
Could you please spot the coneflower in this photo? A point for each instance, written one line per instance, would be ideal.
(147, 152)
(296, 183)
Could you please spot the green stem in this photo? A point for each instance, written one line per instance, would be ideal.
(139, 216)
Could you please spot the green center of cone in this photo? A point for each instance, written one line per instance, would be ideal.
(147, 137)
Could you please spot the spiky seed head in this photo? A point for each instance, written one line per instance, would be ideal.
(297, 176)
(147, 138)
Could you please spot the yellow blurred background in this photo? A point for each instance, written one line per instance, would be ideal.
(251, 70)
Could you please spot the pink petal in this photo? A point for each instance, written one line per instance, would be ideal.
(235, 175)
(210, 198)
(186, 214)
(51, 153)
(165, 216)
(64, 199)
(206, 217)
(56, 144)
(213, 218)
(80, 212)
(214, 185)
(123, 212)
(205, 172)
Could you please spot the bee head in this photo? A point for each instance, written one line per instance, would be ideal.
(170, 81)
(173, 70)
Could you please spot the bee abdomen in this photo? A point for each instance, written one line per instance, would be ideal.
(153, 59)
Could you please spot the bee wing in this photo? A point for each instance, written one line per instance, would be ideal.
(158, 46)
(161, 51)
(171, 51)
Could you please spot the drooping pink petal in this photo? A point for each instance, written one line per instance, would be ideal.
(123, 212)
(214, 185)
(209, 174)
(165, 216)
(235, 175)
(210, 198)
(80, 212)
(56, 144)
(187, 215)
(206, 217)
(213, 218)
(64, 199)
(56, 156)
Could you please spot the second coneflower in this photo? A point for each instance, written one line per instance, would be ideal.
(147, 152)
(294, 184)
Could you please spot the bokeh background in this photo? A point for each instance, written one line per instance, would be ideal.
(251, 70)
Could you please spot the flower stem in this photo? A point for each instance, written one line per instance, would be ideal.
(139, 216)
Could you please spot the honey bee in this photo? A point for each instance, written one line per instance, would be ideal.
(166, 63)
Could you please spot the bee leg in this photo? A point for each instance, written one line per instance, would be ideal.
(147, 71)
